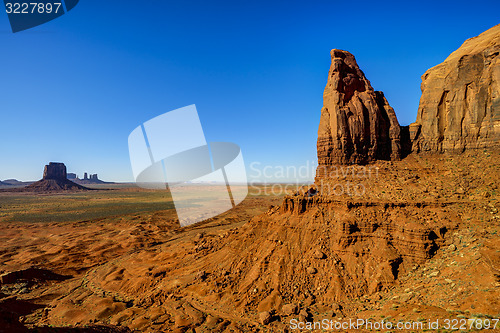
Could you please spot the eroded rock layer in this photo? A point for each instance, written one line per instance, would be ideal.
(460, 104)
(357, 124)
(306, 251)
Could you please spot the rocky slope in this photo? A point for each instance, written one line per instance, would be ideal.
(408, 254)
(460, 104)
(357, 124)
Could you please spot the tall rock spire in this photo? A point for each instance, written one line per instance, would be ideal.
(357, 124)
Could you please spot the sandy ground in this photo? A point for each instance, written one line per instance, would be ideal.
(419, 244)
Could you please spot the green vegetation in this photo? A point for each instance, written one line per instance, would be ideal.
(93, 205)
(81, 206)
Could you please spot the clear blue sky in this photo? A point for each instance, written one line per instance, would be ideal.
(73, 89)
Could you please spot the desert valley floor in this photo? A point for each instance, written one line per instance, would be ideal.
(420, 243)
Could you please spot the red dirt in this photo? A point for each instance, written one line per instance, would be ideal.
(420, 243)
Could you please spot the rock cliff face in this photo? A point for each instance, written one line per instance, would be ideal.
(460, 104)
(55, 171)
(357, 124)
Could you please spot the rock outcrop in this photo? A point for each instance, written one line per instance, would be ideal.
(55, 171)
(72, 176)
(54, 180)
(90, 179)
(357, 124)
(460, 104)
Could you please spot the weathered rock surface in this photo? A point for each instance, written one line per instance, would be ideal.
(460, 104)
(357, 124)
(55, 171)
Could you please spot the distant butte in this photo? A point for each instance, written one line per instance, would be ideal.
(54, 180)
(87, 179)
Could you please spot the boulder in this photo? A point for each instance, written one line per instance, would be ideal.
(357, 124)
(289, 309)
(311, 270)
(319, 255)
(265, 317)
(460, 104)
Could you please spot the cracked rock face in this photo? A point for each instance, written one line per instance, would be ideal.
(460, 104)
(357, 124)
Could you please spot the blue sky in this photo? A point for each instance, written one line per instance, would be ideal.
(73, 89)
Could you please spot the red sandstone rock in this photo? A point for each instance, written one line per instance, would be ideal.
(357, 124)
(54, 180)
(460, 104)
(55, 171)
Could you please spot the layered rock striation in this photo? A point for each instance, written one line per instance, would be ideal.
(357, 124)
(460, 104)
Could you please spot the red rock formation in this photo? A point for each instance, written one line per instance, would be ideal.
(55, 171)
(54, 180)
(460, 104)
(324, 251)
(357, 124)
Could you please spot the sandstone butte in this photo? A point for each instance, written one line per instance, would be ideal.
(460, 104)
(54, 180)
(459, 108)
